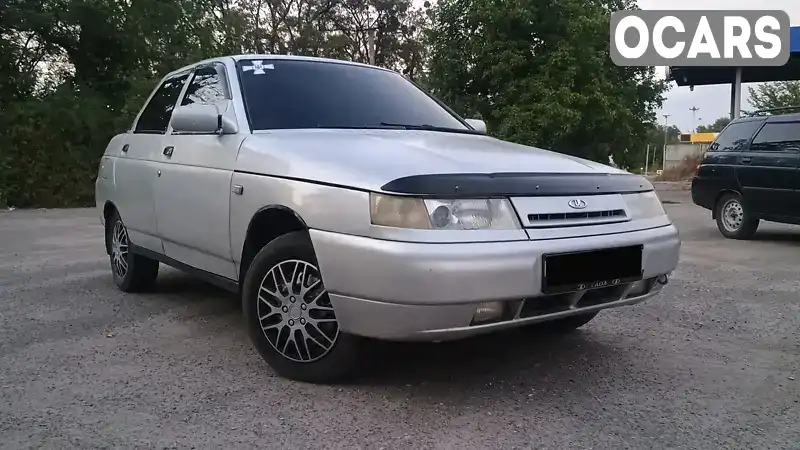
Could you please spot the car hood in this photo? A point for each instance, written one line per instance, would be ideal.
(369, 159)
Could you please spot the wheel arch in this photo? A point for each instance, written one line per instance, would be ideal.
(267, 223)
(719, 196)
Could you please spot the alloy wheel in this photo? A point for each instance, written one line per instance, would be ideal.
(295, 313)
(119, 249)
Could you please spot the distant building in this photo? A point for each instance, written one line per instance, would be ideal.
(690, 145)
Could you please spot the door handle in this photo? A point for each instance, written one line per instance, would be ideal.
(125, 148)
(745, 160)
(168, 151)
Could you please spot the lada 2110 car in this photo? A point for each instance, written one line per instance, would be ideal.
(343, 202)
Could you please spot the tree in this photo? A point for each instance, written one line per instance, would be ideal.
(75, 72)
(715, 127)
(538, 72)
(779, 94)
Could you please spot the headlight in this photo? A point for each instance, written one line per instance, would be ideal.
(460, 214)
(645, 205)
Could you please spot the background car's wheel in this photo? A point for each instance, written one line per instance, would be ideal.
(289, 315)
(132, 273)
(567, 324)
(733, 219)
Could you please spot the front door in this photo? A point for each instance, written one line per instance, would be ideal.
(767, 171)
(193, 188)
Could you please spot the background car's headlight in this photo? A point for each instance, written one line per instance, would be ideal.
(645, 205)
(457, 214)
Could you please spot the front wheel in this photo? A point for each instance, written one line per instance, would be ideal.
(290, 317)
(733, 219)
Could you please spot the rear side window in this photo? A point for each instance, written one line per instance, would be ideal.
(206, 88)
(778, 136)
(155, 116)
(735, 136)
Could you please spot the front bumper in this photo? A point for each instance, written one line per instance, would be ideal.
(421, 291)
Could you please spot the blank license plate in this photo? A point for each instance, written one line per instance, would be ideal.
(567, 272)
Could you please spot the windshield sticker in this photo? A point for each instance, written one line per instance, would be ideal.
(258, 67)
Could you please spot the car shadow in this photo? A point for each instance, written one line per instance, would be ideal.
(777, 236)
(177, 288)
(482, 359)
(583, 355)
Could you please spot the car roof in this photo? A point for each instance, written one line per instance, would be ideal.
(749, 119)
(257, 56)
(783, 117)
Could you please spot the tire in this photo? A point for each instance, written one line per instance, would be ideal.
(132, 273)
(296, 331)
(567, 324)
(733, 219)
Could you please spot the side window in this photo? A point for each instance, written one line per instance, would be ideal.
(778, 136)
(207, 88)
(155, 116)
(735, 136)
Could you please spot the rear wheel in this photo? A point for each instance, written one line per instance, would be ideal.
(290, 317)
(733, 219)
(132, 273)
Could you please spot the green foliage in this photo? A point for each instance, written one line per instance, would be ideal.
(779, 94)
(538, 72)
(50, 155)
(75, 72)
(715, 127)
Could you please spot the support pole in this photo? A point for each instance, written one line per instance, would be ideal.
(664, 154)
(646, 159)
(737, 94)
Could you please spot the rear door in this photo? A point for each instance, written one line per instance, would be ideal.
(135, 169)
(717, 172)
(767, 170)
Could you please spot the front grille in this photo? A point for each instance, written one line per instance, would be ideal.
(558, 212)
(537, 219)
(549, 304)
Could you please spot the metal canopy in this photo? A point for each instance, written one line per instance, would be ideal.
(735, 76)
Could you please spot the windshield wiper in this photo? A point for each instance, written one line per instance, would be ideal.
(427, 127)
(399, 126)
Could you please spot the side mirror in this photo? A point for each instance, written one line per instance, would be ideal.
(477, 124)
(201, 119)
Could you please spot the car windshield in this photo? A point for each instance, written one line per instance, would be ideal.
(291, 94)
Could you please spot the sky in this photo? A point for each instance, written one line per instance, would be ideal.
(713, 101)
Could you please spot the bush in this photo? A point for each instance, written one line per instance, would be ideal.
(684, 171)
(52, 147)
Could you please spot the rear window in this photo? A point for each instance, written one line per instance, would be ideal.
(778, 136)
(290, 94)
(735, 136)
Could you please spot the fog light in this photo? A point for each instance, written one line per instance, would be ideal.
(488, 311)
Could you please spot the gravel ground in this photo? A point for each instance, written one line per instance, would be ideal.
(714, 362)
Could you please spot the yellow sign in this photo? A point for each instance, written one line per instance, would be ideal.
(703, 138)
